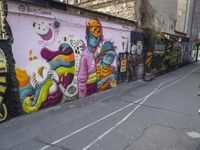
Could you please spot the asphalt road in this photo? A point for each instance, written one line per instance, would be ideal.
(157, 115)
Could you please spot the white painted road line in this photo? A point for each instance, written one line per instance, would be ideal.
(194, 135)
(124, 119)
(107, 116)
(138, 106)
(93, 123)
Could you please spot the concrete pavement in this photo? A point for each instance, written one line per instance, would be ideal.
(157, 115)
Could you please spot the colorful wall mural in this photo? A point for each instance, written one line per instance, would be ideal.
(130, 61)
(61, 57)
(169, 53)
(135, 57)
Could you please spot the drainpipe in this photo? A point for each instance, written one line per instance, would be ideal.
(193, 14)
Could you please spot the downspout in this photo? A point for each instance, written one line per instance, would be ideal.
(193, 14)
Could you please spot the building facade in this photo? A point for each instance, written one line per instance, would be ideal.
(123, 9)
(165, 16)
(68, 53)
(196, 21)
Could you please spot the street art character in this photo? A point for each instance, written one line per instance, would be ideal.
(106, 73)
(46, 31)
(78, 46)
(48, 79)
(125, 43)
(87, 70)
(134, 48)
(131, 71)
(139, 47)
(138, 60)
(38, 71)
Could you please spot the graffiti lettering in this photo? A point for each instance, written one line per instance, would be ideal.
(28, 9)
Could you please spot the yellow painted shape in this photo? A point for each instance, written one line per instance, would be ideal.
(2, 65)
(67, 58)
(92, 78)
(5, 114)
(2, 79)
(22, 77)
(2, 89)
(65, 71)
(28, 108)
(1, 99)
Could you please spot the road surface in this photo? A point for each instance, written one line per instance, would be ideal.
(157, 115)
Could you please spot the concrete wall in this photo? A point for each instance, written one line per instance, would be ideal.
(165, 14)
(181, 15)
(196, 21)
(123, 9)
(185, 17)
(173, 15)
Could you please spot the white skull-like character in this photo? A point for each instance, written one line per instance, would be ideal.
(38, 71)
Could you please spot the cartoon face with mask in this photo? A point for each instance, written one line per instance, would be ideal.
(93, 34)
(87, 70)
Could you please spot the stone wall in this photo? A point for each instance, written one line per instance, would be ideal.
(124, 9)
(196, 23)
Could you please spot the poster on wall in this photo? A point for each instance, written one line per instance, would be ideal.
(123, 65)
(60, 56)
(159, 49)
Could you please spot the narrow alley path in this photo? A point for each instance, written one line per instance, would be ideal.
(157, 115)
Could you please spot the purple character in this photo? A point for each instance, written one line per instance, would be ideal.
(87, 71)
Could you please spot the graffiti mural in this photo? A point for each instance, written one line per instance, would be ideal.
(139, 60)
(87, 70)
(46, 31)
(135, 66)
(96, 72)
(78, 47)
(122, 67)
(106, 73)
(48, 78)
(61, 59)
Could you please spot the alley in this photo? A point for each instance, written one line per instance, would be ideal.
(157, 115)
